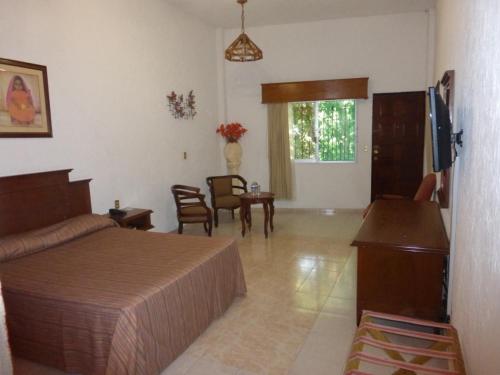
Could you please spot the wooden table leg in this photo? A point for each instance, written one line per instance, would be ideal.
(243, 215)
(266, 216)
(249, 216)
(272, 214)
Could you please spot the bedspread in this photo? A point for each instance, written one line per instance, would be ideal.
(118, 301)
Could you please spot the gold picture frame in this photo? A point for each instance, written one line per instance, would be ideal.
(24, 100)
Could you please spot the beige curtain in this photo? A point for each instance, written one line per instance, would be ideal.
(280, 166)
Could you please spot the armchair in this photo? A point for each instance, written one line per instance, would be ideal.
(191, 207)
(424, 192)
(221, 192)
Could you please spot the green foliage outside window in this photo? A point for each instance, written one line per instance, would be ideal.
(323, 130)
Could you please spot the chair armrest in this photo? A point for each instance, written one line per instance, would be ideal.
(186, 195)
(199, 197)
(195, 204)
(243, 182)
(186, 188)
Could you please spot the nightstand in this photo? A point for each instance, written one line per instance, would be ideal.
(136, 218)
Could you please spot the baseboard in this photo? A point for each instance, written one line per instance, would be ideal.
(319, 211)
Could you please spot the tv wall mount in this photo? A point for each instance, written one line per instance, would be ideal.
(456, 138)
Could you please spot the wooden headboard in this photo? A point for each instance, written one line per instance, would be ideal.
(35, 200)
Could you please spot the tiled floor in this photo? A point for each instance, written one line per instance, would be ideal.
(299, 314)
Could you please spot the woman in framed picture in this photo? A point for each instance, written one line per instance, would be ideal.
(20, 102)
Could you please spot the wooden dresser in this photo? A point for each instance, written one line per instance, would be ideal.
(402, 255)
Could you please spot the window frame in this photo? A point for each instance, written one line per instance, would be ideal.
(316, 131)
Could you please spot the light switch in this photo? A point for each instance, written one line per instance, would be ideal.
(185, 155)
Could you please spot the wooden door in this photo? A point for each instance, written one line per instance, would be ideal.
(397, 143)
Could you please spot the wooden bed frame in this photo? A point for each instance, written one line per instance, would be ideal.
(36, 200)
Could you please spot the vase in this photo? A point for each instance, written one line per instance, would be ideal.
(232, 153)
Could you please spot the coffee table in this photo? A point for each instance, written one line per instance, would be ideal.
(246, 201)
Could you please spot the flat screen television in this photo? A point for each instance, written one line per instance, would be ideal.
(441, 131)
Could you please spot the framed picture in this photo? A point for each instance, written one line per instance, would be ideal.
(24, 100)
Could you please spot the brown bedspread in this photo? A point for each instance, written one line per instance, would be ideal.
(118, 301)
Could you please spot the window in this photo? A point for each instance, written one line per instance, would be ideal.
(323, 130)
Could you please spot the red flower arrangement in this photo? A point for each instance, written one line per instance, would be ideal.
(232, 132)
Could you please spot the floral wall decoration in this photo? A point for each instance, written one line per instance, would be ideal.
(181, 107)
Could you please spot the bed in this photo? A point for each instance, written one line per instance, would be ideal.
(85, 296)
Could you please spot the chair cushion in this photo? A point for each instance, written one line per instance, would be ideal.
(222, 186)
(194, 210)
(228, 201)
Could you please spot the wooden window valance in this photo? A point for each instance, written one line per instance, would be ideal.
(352, 88)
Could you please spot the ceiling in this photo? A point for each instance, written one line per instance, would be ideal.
(226, 13)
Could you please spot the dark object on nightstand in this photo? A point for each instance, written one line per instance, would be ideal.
(191, 207)
(116, 212)
(135, 218)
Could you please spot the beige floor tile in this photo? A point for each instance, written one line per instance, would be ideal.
(181, 365)
(324, 275)
(309, 301)
(346, 291)
(314, 286)
(339, 328)
(205, 366)
(313, 365)
(331, 265)
(324, 349)
(340, 306)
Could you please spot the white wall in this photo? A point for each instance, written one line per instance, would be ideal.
(391, 50)
(468, 40)
(5, 357)
(110, 64)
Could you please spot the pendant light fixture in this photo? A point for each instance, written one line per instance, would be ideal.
(243, 49)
